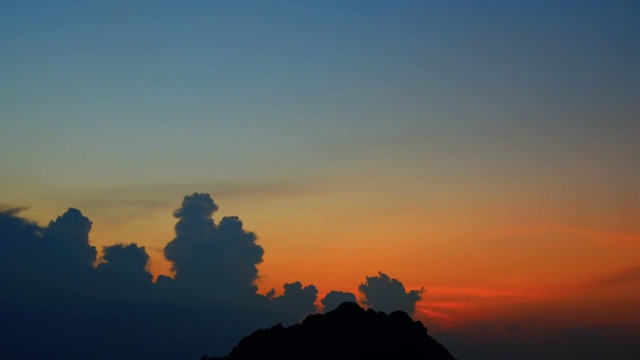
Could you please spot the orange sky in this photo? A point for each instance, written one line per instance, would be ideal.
(503, 261)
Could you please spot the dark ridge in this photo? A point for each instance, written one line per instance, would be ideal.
(348, 332)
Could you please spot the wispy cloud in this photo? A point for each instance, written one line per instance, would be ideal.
(124, 203)
(620, 277)
(443, 293)
(13, 210)
(596, 235)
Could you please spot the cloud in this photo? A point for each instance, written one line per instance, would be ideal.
(297, 302)
(54, 263)
(83, 303)
(123, 273)
(12, 210)
(335, 298)
(621, 277)
(60, 301)
(571, 232)
(213, 263)
(383, 293)
(132, 202)
(68, 236)
(20, 254)
(15, 230)
(475, 294)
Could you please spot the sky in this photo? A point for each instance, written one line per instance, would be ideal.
(482, 154)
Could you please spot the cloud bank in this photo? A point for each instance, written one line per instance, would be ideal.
(60, 301)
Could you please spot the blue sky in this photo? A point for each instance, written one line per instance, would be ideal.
(280, 85)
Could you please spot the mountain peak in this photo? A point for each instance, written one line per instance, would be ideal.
(347, 332)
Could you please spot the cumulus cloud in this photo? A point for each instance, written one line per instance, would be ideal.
(210, 304)
(383, 293)
(335, 298)
(59, 301)
(213, 263)
(54, 263)
(20, 254)
(124, 274)
(297, 302)
(68, 237)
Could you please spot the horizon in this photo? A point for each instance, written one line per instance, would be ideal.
(476, 163)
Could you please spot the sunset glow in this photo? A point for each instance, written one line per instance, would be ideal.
(486, 152)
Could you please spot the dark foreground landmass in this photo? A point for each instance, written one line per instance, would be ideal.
(348, 332)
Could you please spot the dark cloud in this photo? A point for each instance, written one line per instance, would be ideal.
(21, 255)
(297, 302)
(383, 293)
(50, 264)
(16, 231)
(68, 237)
(335, 298)
(213, 263)
(124, 273)
(12, 210)
(57, 300)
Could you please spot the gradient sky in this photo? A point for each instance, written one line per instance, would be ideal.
(487, 151)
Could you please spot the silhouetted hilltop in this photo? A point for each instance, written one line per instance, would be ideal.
(348, 332)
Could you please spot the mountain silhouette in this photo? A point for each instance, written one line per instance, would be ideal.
(348, 332)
